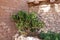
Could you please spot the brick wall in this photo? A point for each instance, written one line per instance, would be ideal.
(7, 8)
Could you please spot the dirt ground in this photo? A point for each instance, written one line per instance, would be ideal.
(7, 8)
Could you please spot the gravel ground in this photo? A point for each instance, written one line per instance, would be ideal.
(52, 21)
(7, 29)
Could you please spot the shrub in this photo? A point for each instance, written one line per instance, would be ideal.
(27, 22)
(49, 35)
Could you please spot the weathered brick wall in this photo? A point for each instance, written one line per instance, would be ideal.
(7, 8)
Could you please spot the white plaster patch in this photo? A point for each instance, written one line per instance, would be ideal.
(57, 7)
(24, 38)
(44, 8)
